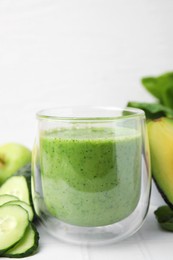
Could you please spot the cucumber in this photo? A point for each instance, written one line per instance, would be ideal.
(7, 198)
(26, 246)
(18, 236)
(24, 205)
(17, 186)
(13, 224)
(26, 172)
(12, 200)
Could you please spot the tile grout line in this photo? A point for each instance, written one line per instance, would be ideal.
(143, 248)
(85, 252)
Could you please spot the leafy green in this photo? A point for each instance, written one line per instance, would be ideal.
(164, 216)
(152, 110)
(161, 87)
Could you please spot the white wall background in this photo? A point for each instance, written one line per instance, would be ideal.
(72, 52)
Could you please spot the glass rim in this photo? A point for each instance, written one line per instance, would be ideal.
(60, 114)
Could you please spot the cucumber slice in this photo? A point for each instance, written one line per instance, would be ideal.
(24, 205)
(13, 224)
(16, 186)
(12, 200)
(6, 198)
(26, 172)
(26, 246)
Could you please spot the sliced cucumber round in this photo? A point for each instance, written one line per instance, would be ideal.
(26, 246)
(7, 198)
(16, 186)
(13, 224)
(24, 205)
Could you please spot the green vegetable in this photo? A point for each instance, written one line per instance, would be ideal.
(161, 87)
(7, 198)
(26, 246)
(17, 186)
(164, 215)
(152, 110)
(24, 205)
(12, 200)
(26, 172)
(14, 222)
(25, 243)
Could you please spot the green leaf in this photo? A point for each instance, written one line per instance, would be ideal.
(167, 226)
(164, 216)
(161, 87)
(152, 110)
(150, 84)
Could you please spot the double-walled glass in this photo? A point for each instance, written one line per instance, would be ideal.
(91, 173)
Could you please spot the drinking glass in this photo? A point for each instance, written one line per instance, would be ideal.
(91, 176)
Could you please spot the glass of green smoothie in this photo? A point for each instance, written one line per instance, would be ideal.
(91, 173)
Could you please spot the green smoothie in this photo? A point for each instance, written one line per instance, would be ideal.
(91, 176)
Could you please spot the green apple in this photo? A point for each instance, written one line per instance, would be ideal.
(13, 156)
